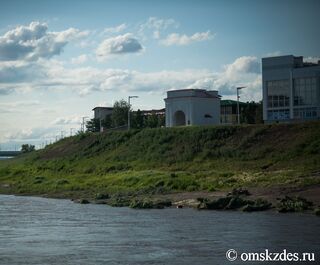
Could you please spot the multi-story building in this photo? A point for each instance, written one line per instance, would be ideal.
(291, 89)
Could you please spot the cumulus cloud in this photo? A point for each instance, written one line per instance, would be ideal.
(244, 71)
(156, 26)
(35, 41)
(6, 90)
(122, 44)
(115, 29)
(177, 39)
(80, 59)
(17, 106)
(30, 134)
(67, 120)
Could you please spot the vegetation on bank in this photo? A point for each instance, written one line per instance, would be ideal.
(166, 160)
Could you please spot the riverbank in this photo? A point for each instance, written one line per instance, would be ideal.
(271, 161)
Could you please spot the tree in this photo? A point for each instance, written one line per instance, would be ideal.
(153, 121)
(119, 115)
(137, 120)
(93, 125)
(26, 148)
(107, 122)
(251, 113)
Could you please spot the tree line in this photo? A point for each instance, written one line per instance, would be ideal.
(119, 118)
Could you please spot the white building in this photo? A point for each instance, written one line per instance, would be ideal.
(192, 107)
(100, 113)
(291, 89)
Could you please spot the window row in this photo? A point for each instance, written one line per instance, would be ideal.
(304, 91)
(278, 93)
(305, 113)
(279, 114)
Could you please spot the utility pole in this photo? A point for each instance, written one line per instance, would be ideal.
(71, 130)
(238, 108)
(82, 124)
(129, 110)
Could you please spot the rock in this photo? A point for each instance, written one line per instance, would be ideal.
(149, 204)
(238, 192)
(258, 205)
(102, 196)
(236, 203)
(119, 202)
(293, 204)
(218, 204)
(83, 201)
(317, 211)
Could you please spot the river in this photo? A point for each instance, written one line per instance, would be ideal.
(50, 231)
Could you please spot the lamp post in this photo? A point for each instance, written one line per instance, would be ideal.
(238, 108)
(130, 97)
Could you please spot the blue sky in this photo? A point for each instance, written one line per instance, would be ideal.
(59, 59)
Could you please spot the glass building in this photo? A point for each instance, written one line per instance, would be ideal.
(291, 89)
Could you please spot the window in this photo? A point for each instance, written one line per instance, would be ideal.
(207, 116)
(304, 91)
(282, 114)
(278, 93)
(305, 113)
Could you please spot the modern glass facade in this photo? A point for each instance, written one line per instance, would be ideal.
(291, 89)
(278, 99)
(278, 93)
(305, 91)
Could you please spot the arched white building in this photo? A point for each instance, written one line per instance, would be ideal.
(192, 107)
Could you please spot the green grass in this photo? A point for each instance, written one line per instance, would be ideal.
(164, 160)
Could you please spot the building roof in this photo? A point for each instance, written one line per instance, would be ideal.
(226, 102)
(193, 93)
(106, 108)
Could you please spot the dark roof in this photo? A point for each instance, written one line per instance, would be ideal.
(106, 108)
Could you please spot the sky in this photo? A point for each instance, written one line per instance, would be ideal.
(60, 59)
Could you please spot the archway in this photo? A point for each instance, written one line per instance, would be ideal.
(179, 118)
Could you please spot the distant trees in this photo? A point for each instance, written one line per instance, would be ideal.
(119, 115)
(93, 125)
(26, 148)
(251, 113)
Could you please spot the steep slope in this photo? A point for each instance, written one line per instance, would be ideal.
(165, 160)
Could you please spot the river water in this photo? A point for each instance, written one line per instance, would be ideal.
(49, 231)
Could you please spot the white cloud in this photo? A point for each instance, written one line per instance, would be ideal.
(177, 39)
(119, 45)
(115, 29)
(156, 26)
(67, 120)
(28, 134)
(244, 71)
(34, 41)
(80, 59)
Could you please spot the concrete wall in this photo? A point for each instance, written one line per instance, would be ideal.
(101, 113)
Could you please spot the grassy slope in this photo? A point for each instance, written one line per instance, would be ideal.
(165, 160)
